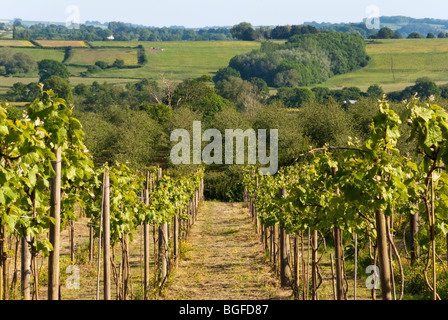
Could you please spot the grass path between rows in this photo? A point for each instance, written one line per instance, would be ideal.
(224, 259)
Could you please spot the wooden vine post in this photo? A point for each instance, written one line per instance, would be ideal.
(176, 237)
(55, 229)
(285, 271)
(106, 237)
(314, 261)
(338, 251)
(91, 242)
(383, 255)
(255, 209)
(25, 268)
(338, 263)
(163, 245)
(3, 264)
(356, 265)
(296, 266)
(146, 242)
(72, 240)
(413, 229)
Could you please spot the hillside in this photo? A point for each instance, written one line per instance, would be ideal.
(404, 25)
(397, 63)
(178, 60)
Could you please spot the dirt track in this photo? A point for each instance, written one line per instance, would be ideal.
(224, 259)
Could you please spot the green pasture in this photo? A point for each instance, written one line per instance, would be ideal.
(88, 57)
(396, 64)
(408, 59)
(15, 43)
(181, 60)
(39, 53)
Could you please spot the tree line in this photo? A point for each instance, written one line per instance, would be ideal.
(388, 33)
(121, 32)
(303, 60)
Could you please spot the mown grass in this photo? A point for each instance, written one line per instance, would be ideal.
(409, 59)
(39, 53)
(90, 56)
(15, 43)
(61, 43)
(181, 60)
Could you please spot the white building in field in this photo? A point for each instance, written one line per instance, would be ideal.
(111, 37)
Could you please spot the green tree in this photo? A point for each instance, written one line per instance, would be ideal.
(444, 91)
(385, 33)
(16, 62)
(295, 97)
(60, 86)
(346, 94)
(48, 68)
(20, 63)
(425, 88)
(282, 32)
(159, 112)
(415, 35)
(118, 63)
(225, 73)
(243, 31)
(430, 36)
(261, 87)
(375, 91)
(241, 92)
(321, 93)
(81, 90)
(101, 64)
(326, 123)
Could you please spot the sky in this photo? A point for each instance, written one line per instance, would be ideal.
(206, 13)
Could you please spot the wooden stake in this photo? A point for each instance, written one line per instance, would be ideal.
(314, 265)
(296, 265)
(106, 237)
(72, 240)
(356, 266)
(333, 280)
(413, 229)
(338, 263)
(100, 240)
(55, 229)
(26, 269)
(146, 242)
(163, 244)
(91, 243)
(383, 256)
(176, 237)
(285, 271)
(3, 264)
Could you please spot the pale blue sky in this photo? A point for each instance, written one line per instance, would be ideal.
(202, 13)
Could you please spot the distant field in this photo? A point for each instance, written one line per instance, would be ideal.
(15, 43)
(409, 59)
(40, 53)
(7, 82)
(60, 43)
(181, 60)
(90, 56)
(115, 43)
